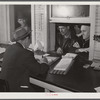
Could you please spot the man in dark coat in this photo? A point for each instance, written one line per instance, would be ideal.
(19, 63)
(64, 39)
(84, 49)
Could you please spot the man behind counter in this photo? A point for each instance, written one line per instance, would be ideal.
(64, 39)
(84, 49)
(19, 64)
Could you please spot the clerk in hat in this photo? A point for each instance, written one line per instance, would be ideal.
(19, 63)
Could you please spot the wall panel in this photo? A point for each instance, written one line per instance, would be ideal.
(97, 32)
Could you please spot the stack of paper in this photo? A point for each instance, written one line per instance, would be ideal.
(70, 55)
(2, 50)
(97, 89)
(51, 59)
(0, 68)
(95, 64)
(64, 65)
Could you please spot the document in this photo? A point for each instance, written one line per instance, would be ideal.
(97, 89)
(70, 55)
(2, 50)
(95, 64)
(64, 65)
(50, 59)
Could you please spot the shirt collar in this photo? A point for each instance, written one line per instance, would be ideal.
(21, 45)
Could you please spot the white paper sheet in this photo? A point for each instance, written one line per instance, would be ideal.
(63, 64)
(2, 50)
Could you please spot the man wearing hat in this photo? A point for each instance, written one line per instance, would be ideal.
(19, 63)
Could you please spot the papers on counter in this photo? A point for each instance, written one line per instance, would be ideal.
(1, 59)
(0, 68)
(70, 55)
(2, 50)
(50, 59)
(64, 65)
(95, 64)
(97, 89)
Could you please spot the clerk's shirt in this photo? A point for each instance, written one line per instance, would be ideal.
(85, 44)
(64, 42)
(85, 55)
(61, 39)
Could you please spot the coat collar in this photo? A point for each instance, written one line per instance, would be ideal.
(18, 44)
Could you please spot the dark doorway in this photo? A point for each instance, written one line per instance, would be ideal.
(22, 10)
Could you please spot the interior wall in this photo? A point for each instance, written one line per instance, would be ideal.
(52, 36)
(97, 32)
(4, 24)
(41, 26)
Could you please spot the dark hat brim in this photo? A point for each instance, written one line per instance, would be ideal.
(24, 36)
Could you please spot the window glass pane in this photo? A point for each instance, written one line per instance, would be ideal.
(61, 11)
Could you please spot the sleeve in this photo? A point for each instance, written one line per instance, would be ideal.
(34, 67)
(58, 41)
(68, 47)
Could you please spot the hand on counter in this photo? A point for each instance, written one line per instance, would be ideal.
(96, 68)
(44, 60)
(82, 50)
(86, 66)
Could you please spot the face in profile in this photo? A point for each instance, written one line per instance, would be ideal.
(85, 30)
(77, 29)
(21, 21)
(63, 29)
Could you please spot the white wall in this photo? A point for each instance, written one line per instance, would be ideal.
(40, 25)
(97, 32)
(5, 28)
(3, 24)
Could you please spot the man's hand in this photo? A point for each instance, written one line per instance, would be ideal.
(82, 50)
(96, 68)
(86, 66)
(59, 51)
(76, 44)
(44, 60)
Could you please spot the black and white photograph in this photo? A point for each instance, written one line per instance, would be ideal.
(50, 47)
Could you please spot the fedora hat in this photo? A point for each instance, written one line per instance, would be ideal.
(21, 33)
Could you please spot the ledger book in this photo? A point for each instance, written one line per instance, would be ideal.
(65, 64)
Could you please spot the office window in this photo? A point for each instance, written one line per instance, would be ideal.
(72, 11)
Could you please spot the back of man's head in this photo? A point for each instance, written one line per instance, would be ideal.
(21, 34)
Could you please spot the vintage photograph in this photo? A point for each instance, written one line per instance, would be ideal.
(50, 47)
